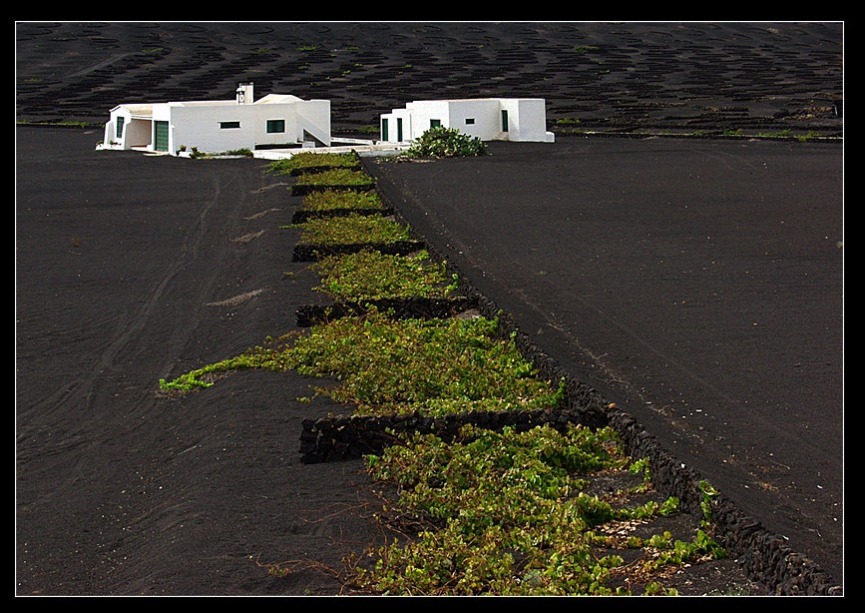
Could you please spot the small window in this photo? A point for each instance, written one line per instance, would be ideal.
(120, 121)
(435, 123)
(229, 125)
(470, 121)
(275, 126)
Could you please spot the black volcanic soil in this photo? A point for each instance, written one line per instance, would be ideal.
(681, 77)
(133, 268)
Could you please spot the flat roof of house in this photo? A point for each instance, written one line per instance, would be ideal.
(138, 110)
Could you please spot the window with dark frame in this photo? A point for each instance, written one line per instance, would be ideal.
(275, 126)
(229, 125)
(470, 121)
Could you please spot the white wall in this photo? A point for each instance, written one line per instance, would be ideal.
(486, 116)
(313, 116)
(527, 118)
(268, 112)
(421, 113)
(199, 126)
(110, 135)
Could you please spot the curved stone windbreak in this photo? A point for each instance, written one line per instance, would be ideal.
(594, 76)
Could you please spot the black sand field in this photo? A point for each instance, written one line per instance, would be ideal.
(696, 282)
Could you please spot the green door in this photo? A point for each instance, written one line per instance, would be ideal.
(160, 135)
(504, 121)
(384, 131)
(399, 129)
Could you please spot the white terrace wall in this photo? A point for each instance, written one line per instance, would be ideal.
(310, 115)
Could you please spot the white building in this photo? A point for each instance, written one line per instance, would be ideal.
(216, 126)
(512, 119)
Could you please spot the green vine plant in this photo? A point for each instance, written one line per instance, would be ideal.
(307, 161)
(509, 513)
(388, 366)
(337, 177)
(372, 275)
(335, 200)
(351, 229)
(499, 513)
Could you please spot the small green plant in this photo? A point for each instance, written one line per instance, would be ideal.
(351, 230)
(442, 142)
(709, 493)
(242, 152)
(335, 200)
(786, 133)
(337, 177)
(306, 161)
(371, 275)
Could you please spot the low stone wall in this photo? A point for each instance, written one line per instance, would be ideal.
(303, 215)
(303, 189)
(399, 308)
(312, 252)
(764, 556)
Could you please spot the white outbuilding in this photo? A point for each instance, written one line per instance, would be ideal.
(217, 126)
(510, 119)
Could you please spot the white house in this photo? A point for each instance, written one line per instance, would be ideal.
(512, 119)
(215, 126)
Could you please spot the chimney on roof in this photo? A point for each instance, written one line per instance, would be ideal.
(244, 93)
